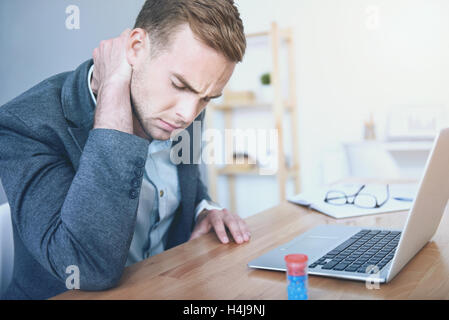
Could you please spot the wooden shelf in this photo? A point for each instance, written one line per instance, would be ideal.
(278, 106)
(253, 171)
(256, 105)
(283, 33)
(235, 170)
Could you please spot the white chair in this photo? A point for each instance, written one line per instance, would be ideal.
(371, 160)
(6, 247)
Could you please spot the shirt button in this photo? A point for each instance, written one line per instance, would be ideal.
(140, 162)
(133, 193)
(161, 193)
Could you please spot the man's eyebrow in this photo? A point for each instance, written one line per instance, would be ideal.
(188, 86)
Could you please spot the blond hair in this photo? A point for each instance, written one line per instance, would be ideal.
(216, 23)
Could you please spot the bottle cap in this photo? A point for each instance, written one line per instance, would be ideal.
(296, 264)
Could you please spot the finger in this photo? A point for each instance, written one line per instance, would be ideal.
(244, 229)
(234, 228)
(219, 228)
(202, 228)
(243, 226)
(95, 53)
(103, 44)
(103, 50)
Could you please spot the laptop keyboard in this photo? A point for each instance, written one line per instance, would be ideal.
(363, 250)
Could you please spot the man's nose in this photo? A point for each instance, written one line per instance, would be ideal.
(187, 110)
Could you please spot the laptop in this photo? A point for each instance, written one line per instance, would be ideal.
(373, 254)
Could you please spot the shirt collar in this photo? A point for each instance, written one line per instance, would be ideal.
(89, 78)
(159, 145)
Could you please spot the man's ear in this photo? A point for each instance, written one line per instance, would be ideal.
(138, 46)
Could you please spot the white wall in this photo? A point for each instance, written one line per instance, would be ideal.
(35, 43)
(350, 63)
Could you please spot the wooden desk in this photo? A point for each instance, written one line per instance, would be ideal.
(206, 269)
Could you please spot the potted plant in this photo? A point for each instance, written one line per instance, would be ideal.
(266, 90)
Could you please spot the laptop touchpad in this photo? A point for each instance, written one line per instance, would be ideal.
(313, 243)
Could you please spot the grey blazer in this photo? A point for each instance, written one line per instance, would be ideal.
(73, 202)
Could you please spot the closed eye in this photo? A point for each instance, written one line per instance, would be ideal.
(178, 87)
(182, 88)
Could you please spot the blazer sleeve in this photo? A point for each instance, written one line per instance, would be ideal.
(84, 218)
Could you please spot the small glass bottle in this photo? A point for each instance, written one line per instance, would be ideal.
(296, 276)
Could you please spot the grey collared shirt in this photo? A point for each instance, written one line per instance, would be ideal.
(159, 198)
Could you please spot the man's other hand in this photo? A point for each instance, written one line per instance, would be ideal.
(219, 220)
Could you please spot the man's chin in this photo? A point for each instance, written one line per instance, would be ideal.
(160, 134)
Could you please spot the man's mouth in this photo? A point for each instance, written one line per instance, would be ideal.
(168, 126)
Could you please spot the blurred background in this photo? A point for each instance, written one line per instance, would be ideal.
(356, 88)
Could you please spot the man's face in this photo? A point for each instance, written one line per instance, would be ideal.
(170, 90)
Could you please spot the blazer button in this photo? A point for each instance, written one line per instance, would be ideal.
(133, 193)
(138, 172)
(161, 193)
(135, 183)
(140, 162)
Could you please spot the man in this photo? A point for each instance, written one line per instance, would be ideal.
(85, 155)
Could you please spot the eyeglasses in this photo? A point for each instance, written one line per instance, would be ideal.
(358, 199)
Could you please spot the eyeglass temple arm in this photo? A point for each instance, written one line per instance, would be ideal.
(388, 197)
(344, 195)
